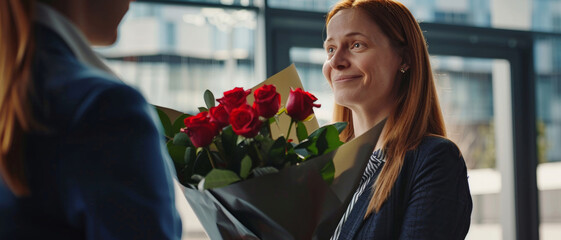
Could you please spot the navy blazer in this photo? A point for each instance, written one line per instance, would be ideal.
(430, 198)
(99, 169)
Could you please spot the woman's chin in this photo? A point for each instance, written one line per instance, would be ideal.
(107, 40)
(346, 96)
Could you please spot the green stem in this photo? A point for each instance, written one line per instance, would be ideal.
(209, 157)
(220, 147)
(269, 128)
(289, 128)
(260, 158)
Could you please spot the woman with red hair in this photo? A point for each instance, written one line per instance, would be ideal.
(415, 184)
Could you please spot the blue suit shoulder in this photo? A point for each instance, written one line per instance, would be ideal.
(433, 143)
(103, 140)
(438, 201)
(66, 89)
(437, 150)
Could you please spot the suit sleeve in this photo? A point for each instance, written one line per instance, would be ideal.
(440, 203)
(122, 185)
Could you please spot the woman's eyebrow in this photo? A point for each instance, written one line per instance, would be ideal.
(351, 34)
(348, 35)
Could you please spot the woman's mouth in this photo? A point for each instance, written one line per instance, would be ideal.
(344, 78)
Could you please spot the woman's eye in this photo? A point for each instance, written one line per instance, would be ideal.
(357, 45)
(330, 50)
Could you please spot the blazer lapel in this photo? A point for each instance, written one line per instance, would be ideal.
(355, 220)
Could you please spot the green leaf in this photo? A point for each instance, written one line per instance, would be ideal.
(328, 172)
(190, 157)
(245, 167)
(321, 141)
(179, 123)
(209, 99)
(301, 131)
(218, 161)
(340, 126)
(197, 178)
(202, 163)
(317, 132)
(276, 153)
(181, 139)
(229, 139)
(166, 123)
(332, 137)
(185, 176)
(265, 144)
(264, 131)
(292, 159)
(240, 139)
(307, 148)
(278, 147)
(313, 150)
(260, 171)
(203, 109)
(176, 153)
(302, 152)
(232, 146)
(328, 140)
(220, 178)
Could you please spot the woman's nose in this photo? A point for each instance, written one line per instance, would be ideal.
(339, 60)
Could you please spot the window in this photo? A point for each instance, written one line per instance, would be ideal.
(174, 53)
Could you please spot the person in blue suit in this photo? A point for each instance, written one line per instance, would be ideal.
(81, 153)
(415, 185)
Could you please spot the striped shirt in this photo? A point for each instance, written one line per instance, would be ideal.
(374, 164)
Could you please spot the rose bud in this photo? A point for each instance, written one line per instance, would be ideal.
(245, 121)
(234, 98)
(200, 130)
(300, 103)
(267, 101)
(219, 116)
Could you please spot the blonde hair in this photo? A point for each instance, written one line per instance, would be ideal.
(16, 53)
(417, 111)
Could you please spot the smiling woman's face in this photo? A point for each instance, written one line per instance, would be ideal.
(361, 64)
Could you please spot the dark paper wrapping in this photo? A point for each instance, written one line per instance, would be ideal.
(295, 203)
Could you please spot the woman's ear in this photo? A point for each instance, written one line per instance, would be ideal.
(405, 59)
(405, 66)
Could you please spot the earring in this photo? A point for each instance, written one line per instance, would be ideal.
(402, 70)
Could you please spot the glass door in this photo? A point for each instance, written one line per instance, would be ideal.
(475, 97)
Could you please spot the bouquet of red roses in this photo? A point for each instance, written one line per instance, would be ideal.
(259, 177)
(232, 141)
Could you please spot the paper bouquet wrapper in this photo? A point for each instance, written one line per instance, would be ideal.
(295, 203)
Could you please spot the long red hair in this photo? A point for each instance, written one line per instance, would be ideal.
(417, 110)
(16, 53)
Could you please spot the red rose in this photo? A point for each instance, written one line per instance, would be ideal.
(267, 101)
(234, 98)
(245, 121)
(219, 116)
(300, 103)
(200, 130)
